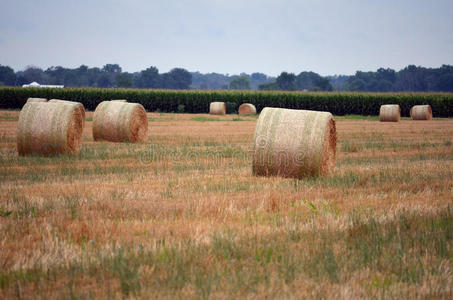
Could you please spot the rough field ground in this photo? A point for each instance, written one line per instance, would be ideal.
(181, 216)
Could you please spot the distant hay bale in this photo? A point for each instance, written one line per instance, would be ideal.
(421, 112)
(119, 100)
(390, 113)
(217, 108)
(78, 105)
(36, 100)
(47, 128)
(294, 143)
(247, 108)
(117, 121)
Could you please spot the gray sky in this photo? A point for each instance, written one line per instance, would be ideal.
(328, 37)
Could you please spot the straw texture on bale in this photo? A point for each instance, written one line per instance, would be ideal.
(390, 113)
(294, 143)
(119, 100)
(217, 108)
(47, 128)
(120, 122)
(36, 100)
(78, 105)
(247, 108)
(421, 112)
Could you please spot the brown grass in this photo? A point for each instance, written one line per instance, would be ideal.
(182, 216)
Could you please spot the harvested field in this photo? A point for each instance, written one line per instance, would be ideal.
(182, 216)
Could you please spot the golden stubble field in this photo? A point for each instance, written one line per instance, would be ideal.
(181, 216)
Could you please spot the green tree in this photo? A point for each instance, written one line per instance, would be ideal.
(70, 79)
(56, 74)
(240, 83)
(268, 86)
(104, 81)
(7, 76)
(149, 78)
(445, 83)
(33, 73)
(177, 78)
(286, 81)
(112, 68)
(323, 84)
(356, 84)
(124, 80)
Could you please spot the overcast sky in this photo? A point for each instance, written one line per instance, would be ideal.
(328, 37)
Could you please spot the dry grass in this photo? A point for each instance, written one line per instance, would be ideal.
(182, 216)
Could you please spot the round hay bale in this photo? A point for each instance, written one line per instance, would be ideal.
(247, 109)
(36, 100)
(49, 128)
(120, 122)
(119, 100)
(294, 143)
(421, 112)
(390, 113)
(217, 108)
(78, 105)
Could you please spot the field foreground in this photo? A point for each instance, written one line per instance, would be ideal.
(181, 216)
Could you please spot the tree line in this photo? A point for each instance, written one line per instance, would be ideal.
(411, 78)
(109, 76)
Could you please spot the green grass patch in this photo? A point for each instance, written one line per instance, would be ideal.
(405, 248)
(8, 118)
(205, 119)
(208, 119)
(358, 117)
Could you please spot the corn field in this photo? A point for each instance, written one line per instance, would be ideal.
(191, 101)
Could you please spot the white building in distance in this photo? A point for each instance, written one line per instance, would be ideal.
(34, 84)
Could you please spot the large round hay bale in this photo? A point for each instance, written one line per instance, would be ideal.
(247, 109)
(421, 112)
(49, 128)
(294, 143)
(217, 108)
(36, 100)
(390, 113)
(78, 105)
(120, 122)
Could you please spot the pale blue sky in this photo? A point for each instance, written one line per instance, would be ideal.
(328, 37)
